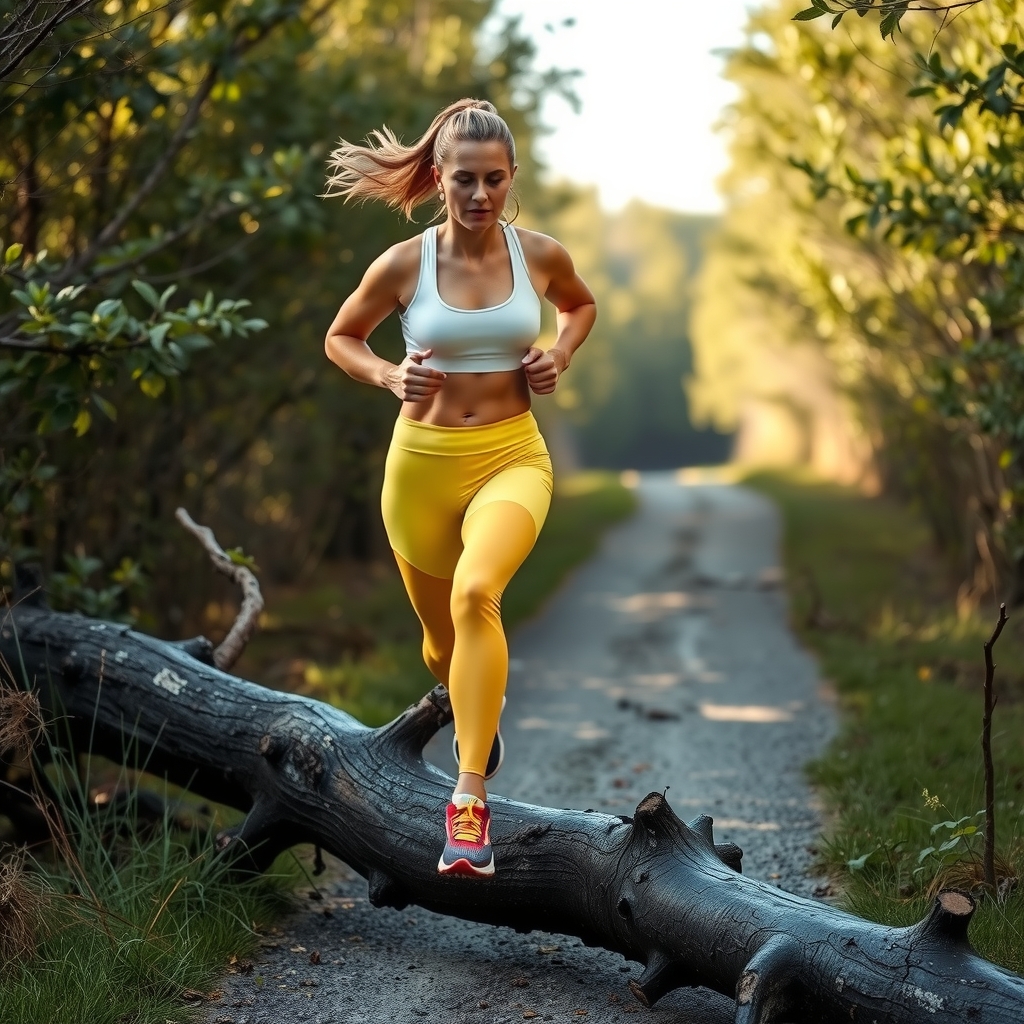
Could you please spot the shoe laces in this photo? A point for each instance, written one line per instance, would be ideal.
(468, 824)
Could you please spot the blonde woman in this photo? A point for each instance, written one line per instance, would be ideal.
(467, 481)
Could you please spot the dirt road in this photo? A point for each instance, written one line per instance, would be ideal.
(664, 662)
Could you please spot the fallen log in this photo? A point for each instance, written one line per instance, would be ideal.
(651, 887)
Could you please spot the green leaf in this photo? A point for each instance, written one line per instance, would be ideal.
(13, 253)
(925, 853)
(838, 18)
(809, 14)
(157, 335)
(239, 557)
(148, 292)
(83, 421)
(152, 385)
(193, 342)
(167, 293)
(859, 863)
(107, 408)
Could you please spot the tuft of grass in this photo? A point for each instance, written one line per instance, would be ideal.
(119, 918)
(22, 906)
(354, 641)
(903, 781)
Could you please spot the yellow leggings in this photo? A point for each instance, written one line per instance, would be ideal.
(462, 508)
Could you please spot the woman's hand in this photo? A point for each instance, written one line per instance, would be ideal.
(543, 369)
(412, 382)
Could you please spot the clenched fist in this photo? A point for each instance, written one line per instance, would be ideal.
(543, 369)
(412, 382)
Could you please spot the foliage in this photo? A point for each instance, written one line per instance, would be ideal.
(183, 145)
(892, 11)
(901, 264)
(875, 605)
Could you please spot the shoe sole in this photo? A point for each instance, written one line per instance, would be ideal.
(463, 867)
(497, 739)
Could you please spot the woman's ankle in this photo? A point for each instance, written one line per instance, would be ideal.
(471, 783)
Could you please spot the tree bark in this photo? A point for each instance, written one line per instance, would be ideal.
(653, 888)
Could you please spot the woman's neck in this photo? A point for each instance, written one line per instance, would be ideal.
(461, 241)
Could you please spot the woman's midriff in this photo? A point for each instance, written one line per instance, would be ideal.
(473, 399)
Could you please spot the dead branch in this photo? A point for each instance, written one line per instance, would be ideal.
(247, 622)
(986, 750)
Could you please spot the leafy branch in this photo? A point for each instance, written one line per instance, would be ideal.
(891, 11)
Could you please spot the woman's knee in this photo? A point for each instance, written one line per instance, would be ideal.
(475, 599)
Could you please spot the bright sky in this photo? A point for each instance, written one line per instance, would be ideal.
(651, 90)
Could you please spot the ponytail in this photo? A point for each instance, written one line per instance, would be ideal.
(401, 175)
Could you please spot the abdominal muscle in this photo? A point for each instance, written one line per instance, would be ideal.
(473, 399)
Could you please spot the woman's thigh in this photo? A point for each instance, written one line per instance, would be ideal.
(529, 486)
(422, 506)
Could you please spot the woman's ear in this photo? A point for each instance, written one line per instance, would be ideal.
(436, 172)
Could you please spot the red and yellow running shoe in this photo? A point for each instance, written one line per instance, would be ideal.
(467, 850)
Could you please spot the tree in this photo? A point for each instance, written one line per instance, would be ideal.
(899, 264)
(184, 145)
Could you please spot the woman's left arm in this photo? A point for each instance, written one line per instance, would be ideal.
(577, 311)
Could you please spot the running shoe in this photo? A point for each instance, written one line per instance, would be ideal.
(467, 850)
(497, 754)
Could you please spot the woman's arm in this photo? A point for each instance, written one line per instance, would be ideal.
(376, 297)
(577, 312)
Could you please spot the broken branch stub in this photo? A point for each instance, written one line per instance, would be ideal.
(654, 888)
(247, 621)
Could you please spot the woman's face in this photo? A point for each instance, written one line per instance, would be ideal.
(475, 177)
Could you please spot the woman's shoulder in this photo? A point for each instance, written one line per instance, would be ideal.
(399, 260)
(541, 250)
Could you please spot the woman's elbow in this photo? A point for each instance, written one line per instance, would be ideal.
(333, 350)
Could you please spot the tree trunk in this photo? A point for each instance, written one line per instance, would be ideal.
(653, 888)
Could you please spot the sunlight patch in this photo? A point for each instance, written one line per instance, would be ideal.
(745, 713)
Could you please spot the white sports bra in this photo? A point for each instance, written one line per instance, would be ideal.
(472, 340)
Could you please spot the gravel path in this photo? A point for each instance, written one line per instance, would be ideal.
(665, 661)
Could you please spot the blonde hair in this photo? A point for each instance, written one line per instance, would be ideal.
(401, 175)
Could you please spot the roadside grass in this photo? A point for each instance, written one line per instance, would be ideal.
(352, 639)
(904, 776)
(122, 918)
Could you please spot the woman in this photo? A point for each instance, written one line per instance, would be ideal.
(467, 480)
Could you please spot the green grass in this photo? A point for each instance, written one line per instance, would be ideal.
(350, 637)
(131, 918)
(871, 598)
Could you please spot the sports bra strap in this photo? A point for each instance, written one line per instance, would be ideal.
(516, 246)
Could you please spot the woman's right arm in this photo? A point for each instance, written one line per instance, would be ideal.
(376, 297)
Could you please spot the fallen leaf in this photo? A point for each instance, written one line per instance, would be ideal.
(314, 957)
(548, 949)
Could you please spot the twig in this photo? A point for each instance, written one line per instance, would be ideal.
(986, 749)
(231, 647)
